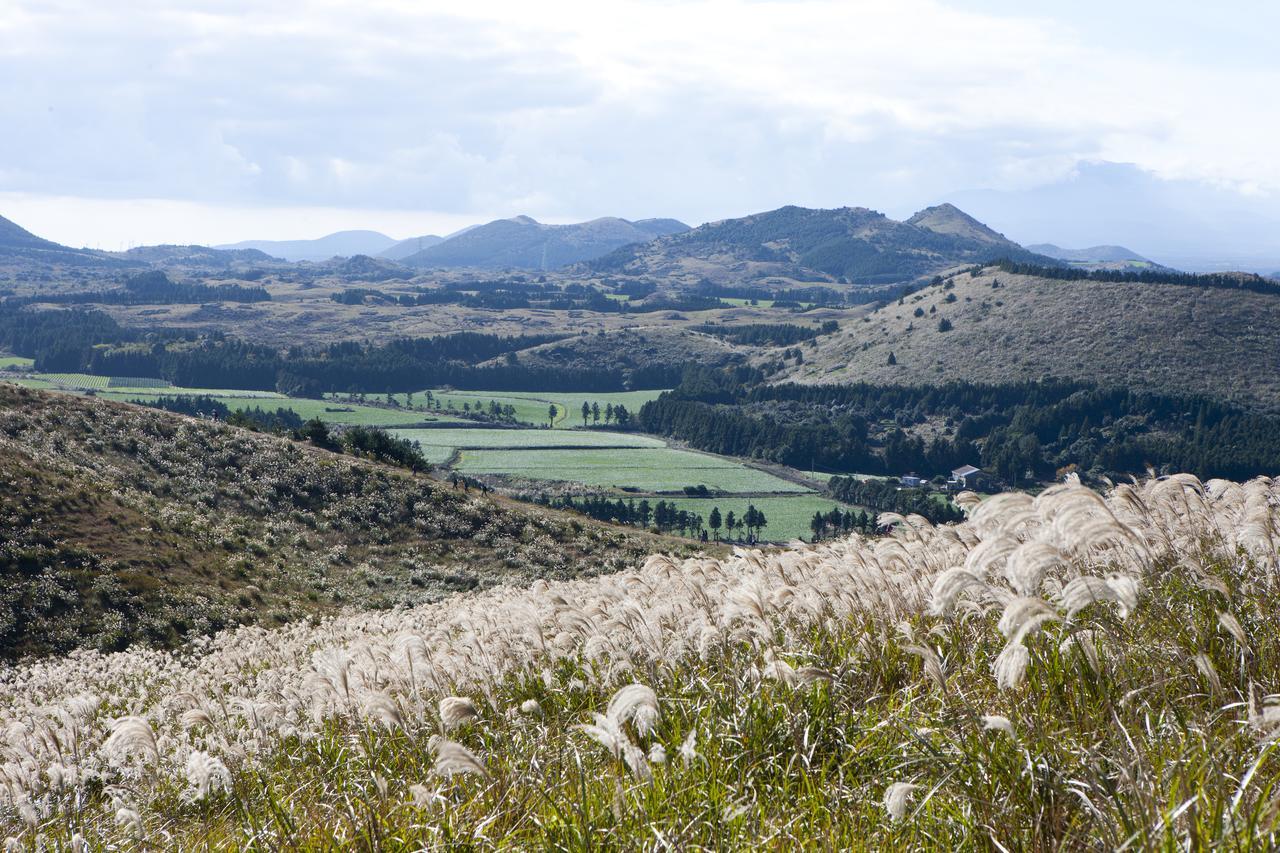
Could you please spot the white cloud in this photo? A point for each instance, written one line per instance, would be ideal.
(568, 109)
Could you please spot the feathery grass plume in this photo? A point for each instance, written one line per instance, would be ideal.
(689, 747)
(637, 703)
(779, 670)
(129, 820)
(1080, 592)
(949, 586)
(1232, 626)
(530, 707)
(1083, 642)
(1027, 566)
(657, 754)
(1210, 673)
(810, 675)
(196, 717)
(931, 663)
(206, 775)
(895, 799)
(132, 736)
(454, 759)
(606, 733)
(996, 722)
(382, 707)
(1010, 666)
(455, 711)
(1022, 617)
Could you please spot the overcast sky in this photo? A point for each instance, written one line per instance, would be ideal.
(144, 122)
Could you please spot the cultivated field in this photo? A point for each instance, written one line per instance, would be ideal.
(641, 469)
(525, 438)
(532, 407)
(788, 515)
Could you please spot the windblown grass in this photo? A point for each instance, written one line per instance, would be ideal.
(1063, 671)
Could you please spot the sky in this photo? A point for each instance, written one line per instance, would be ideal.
(213, 121)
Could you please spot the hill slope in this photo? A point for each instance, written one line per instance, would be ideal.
(19, 247)
(849, 243)
(339, 244)
(525, 243)
(1158, 336)
(123, 524)
(1063, 672)
(403, 249)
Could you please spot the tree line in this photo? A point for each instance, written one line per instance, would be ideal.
(889, 496)
(153, 288)
(769, 334)
(665, 516)
(1017, 432)
(1221, 281)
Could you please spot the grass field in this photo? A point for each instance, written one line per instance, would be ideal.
(306, 409)
(531, 406)
(10, 361)
(643, 469)
(525, 438)
(788, 515)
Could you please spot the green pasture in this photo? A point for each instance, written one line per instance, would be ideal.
(642, 469)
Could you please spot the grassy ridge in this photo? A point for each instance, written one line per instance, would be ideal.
(124, 524)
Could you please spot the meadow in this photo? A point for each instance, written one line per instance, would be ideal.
(532, 407)
(788, 515)
(525, 438)
(1069, 671)
(640, 469)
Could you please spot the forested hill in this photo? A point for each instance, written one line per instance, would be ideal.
(126, 525)
(1165, 333)
(849, 244)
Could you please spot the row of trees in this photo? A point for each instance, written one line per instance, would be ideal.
(665, 516)
(888, 496)
(1221, 281)
(1017, 432)
(618, 414)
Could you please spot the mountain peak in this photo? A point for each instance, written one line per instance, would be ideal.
(946, 218)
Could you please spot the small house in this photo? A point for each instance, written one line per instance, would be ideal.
(911, 481)
(965, 477)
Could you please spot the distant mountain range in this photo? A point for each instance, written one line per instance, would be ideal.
(525, 243)
(339, 244)
(1093, 254)
(405, 248)
(848, 244)
(1098, 257)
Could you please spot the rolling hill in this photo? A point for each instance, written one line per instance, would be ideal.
(849, 244)
(20, 248)
(339, 244)
(525, 243)
(1004, 327)
(126, 525)
(1115, 258)
(403, 249)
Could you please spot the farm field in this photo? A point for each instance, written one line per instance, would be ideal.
(524, 438)
(8, 362)
(641, 469)
(531, 406)
(133, 390)
(328, 411)
(788, 515)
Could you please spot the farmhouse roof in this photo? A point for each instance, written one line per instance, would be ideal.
(965, 471)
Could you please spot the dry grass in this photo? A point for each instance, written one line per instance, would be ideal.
(1156, 337)
(1066, 671)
